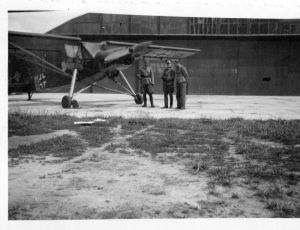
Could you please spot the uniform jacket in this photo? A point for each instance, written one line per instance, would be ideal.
(168, 76)
(146, 75)
(181, 74)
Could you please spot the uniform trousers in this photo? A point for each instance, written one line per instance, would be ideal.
(180, 95)
(168, 90)
(148, 89)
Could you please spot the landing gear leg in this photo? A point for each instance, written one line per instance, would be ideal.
(137, 97)
(67, 101)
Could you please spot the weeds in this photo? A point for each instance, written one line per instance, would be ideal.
(273, 192)
(29, 124)
(65, 146)
(95, 135)
(235, 196)
(113, 147)
(265, 172)
(282, 209)
(283, 131)
(274, 163)
(131, 125)
(221, 175)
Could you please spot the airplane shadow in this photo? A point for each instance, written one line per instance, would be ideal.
(84, 104)
(93, 105)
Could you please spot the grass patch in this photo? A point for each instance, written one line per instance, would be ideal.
(235, 196)
(283, 131)
(159, 140)
(124, 151)
(221, 175)
(272, 163)
(282, 209)
(135, 124)
(21, 124)
(18, 211)
(263, 172)
(95, 135)
(114, 147)
(272, 192)
(65, 146)
(27, 124)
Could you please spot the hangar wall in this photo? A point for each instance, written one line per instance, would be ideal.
(94, 23)
(230, 65)
(238, 57)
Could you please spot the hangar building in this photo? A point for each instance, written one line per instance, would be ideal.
(238, 56)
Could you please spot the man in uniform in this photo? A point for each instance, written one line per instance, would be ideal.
(168, 78)
(145, 73)
(182, 80)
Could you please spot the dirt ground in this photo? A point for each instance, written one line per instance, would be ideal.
(123, 183)
(118, 184)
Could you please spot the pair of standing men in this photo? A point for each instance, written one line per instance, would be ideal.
(180, 75)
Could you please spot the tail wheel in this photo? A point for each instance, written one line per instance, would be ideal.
(66, 102)
(75, 104)
(138, 99)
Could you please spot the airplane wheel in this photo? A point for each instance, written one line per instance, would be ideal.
(138, 99)
(75, 104)
(66, 102)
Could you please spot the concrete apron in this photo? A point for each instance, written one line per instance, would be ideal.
(197, 106)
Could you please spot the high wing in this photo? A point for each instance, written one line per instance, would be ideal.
(155, 51)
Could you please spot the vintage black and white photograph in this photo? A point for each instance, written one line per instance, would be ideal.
(152, 116)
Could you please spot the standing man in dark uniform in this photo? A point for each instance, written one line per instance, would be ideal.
(182, 80)
(145, 73)
(168, 78)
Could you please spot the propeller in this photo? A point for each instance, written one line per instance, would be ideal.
(116, 55)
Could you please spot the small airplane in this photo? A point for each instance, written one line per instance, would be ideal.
(39, 62)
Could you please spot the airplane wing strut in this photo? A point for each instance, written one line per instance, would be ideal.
(41, 65)
(129, 86)
(50, 66)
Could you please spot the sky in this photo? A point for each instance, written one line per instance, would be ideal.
(38, 22)
(42, 22)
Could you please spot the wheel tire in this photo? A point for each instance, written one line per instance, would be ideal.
(138, 99)
(75, 104)
(66, 102)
